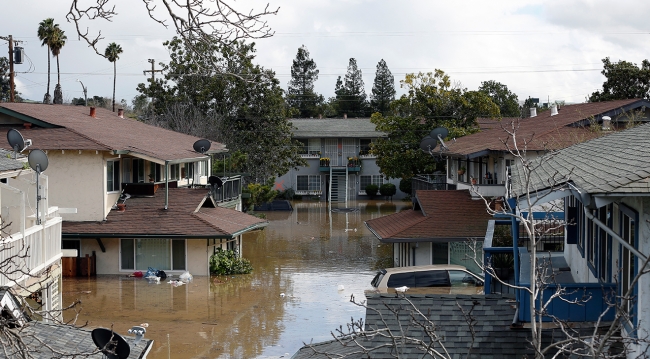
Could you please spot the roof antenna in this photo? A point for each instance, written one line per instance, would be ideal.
(38, 162)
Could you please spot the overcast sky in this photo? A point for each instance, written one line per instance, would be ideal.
(545, 49)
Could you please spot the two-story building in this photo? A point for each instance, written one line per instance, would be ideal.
(340, 166)
(100, 161)
(30, 252)
(605, 186)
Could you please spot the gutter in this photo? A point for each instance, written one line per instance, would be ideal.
(131, 235)
(250, 228)
(372, 230)
(614, 235)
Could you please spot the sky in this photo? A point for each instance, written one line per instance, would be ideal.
(547, 49)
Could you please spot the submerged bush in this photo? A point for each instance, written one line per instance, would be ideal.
(227, 262)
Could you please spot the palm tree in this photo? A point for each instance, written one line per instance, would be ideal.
(45, 31)
(112, 53)
(57, 42)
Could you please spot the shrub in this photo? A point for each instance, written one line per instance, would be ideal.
(372, 189)
(387, 189)
(227, 262)
(406, 185)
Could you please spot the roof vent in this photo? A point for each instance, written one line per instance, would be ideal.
(533, 111)
(607, 121)
(553, 110)
(120, 112)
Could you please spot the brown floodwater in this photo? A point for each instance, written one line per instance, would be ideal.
(307, 263)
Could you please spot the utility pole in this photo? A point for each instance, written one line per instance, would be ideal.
(153, 70)
(12, 91)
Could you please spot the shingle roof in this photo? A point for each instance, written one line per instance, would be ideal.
(616, 163)
(445, 216)
(493, 315)
(546, 131)
(334, 127)
(8, 163)
(40, 337)
(57, 139)
(105, 131)
(146, 216)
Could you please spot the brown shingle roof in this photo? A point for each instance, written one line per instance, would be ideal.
(145, 216)
(108, 130)
(548, 132)
(55, 139)
(445, 216)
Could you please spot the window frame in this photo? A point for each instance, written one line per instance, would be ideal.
(116, 177)
(311, 180)
(171, 255)
(633, 215)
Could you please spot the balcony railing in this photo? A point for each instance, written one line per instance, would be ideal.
(229, 191)
(28, 255)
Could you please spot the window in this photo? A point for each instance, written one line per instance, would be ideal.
(365, 180)
(401, 279)
(174, 172)
(364, 146)
(308, 183)
(314, 146)
(113, 176)
(138, 170)
(303, 147)
(156, 172)
(162, 254)
(628, 218)
(440, 253)
(458, 278)
(432, 278)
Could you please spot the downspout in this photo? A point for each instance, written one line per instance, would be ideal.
(613, 234)
(166, 184)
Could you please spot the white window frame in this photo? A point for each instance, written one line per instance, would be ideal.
(313, 185)
(313, 147)
(374, 179)
(110, 166)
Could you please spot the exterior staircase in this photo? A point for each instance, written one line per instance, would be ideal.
(338, 184)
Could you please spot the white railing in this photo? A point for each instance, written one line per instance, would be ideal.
(21, 257)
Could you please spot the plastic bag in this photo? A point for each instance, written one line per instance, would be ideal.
(151, 272)
(161, 274)
(137, 274)
(186, 277)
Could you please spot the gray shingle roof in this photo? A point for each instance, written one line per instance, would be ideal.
(7, 162)
(45, 341)
(493, 336)
(334, 127)
(616, 163)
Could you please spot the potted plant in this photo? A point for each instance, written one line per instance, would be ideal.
(461, 171)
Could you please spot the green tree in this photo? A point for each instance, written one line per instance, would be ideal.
(57, 41)
(431, 102)
(383, 89)
(5, 85)
(507, 101)
(623, 80)
(246, 112)
(45, 33)
(112, 54)
(300, 93)
(350, 93)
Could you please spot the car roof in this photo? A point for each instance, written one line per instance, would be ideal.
(424, 268)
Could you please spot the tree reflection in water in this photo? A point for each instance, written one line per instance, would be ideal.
(304, 254)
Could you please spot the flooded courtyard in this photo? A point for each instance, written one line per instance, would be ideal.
(307, 263)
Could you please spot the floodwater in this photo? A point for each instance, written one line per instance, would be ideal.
(293, 296)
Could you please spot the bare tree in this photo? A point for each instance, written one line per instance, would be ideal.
(580, 342)
(196, 22)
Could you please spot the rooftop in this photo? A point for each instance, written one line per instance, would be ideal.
(616, 163)
(444, 216)
(334, 127)
(190, 213)
(64, 127)
(568, 127)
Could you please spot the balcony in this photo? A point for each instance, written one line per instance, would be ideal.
(26, 255)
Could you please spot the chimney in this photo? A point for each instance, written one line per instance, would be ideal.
(533, 111)
(27, 125)
(120, 112)
(320, 116)
(607, 121)
(553, 110)
(345, 116)
(92, 112)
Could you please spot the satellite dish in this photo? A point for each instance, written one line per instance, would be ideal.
(214, 180)
(428, 144)
(38, 160)
(439, 132)
(110, 343)
(16, 141)
(202, 146)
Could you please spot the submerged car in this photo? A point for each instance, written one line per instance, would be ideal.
(433, 279)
